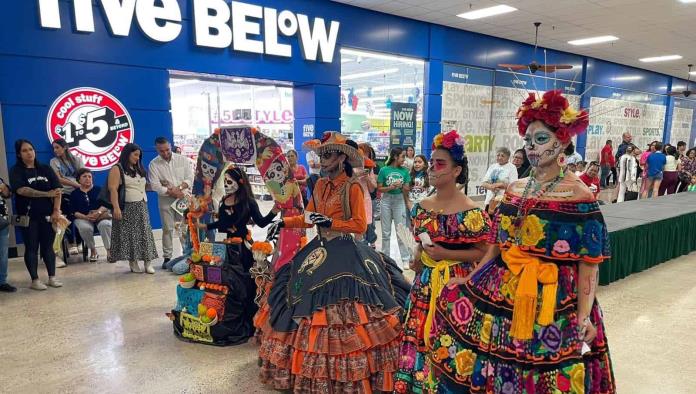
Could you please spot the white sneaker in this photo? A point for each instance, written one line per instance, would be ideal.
(53, 282)
(36, 284)
(60, 263)
(148, 267)
(135, 267)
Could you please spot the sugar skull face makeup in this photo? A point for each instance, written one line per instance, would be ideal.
(231, 186)
(442, 168)
(541, 145)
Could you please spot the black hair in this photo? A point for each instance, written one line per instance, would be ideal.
(689, 151)
(681, 143)
(72, 161)
(413, 171)
(524, 168)
(463, 177)
(124, 161)
(608, 141)
(346, 165)
(244, 194)
(570, 149)
(658, 146)
(672, 151)
(80, 172)
(161, 140)
(18, 152)
(393, 154)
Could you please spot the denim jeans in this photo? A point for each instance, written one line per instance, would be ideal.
(393, 209)
(4, 241)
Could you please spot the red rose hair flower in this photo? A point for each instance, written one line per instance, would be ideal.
(554, 110)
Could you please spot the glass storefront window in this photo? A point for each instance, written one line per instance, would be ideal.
(199, 106)
(370, 83)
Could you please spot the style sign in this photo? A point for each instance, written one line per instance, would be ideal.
(94, 123)
(403, 124)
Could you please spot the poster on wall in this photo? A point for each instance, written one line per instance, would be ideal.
(403, 124)
(610, 118)
(683, 123)
(485, 115)
(95, 125)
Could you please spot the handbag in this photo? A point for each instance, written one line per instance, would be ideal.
(104, 197)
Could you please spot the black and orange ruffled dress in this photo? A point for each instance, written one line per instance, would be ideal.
(334, 321)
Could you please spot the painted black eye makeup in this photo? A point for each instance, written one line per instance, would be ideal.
(541, 138)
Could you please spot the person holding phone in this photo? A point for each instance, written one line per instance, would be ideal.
(37, 200)
(393, 182)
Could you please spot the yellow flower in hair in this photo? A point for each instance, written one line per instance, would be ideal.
(538, 103)
(474, 221)
(532, 231)
(569, 116)
(438, 140)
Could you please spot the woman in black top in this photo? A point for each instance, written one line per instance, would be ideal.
(37, 195)
(236, 211)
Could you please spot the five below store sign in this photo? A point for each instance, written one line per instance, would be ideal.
(217, 24)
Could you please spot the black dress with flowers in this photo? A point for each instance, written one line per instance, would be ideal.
(472, 349)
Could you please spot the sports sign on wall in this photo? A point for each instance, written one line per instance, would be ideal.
(94, 123)
(610, 118)
(683, 122)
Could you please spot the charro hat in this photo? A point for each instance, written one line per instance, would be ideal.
(333, 141)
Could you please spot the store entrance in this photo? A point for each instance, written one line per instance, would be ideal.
(200, 103)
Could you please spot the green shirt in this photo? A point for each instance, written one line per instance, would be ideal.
(692, 188)
(389, 175)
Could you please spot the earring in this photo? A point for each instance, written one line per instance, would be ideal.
(561, 160)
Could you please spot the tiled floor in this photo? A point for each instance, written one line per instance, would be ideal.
(106, 331)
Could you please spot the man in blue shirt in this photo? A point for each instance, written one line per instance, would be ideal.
(655, 163)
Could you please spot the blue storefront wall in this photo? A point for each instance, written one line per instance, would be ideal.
(37, 65)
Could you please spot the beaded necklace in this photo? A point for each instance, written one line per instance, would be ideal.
(528, 202)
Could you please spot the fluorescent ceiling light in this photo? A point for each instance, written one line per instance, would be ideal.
(486, 12)
(408, 60)
(693, 73)
(370, 74)
(237, 79)
(593, 40)
(628, 78)
(687, 1)
(660, 58)
(185, 82)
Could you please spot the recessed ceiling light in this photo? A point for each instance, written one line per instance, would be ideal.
(486, 12)
(370, 74)
(593, 40)
(627, 78)
(660, 58)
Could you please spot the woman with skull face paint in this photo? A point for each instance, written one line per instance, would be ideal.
(451, 231)
(334, 323)
(236, 211)
(526, 320)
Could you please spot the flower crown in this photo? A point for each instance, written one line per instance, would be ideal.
(554, 110)
(451, 141)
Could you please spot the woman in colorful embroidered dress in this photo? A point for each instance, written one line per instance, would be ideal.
(334, 322)
(549, 238)
(456, 231)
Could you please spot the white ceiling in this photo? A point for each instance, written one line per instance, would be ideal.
(645, 27)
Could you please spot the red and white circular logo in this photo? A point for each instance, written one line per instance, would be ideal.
(94, 123)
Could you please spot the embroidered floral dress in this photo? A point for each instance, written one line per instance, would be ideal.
(460, 230)
(472, 349)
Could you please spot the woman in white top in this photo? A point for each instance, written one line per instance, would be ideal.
(670, 177)
(498, 177)
(131, 235)
(410, 156)
(628, 173)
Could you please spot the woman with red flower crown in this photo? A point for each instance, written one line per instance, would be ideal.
(451, 231)
(526, 320)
